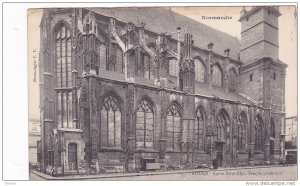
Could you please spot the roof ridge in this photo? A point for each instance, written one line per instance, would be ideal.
(206, 25)
(162, 19)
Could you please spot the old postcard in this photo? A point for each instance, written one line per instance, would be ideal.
(163, 93)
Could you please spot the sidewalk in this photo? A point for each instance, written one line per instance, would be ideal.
(82, 177)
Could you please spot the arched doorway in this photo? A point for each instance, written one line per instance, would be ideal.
(222, 143)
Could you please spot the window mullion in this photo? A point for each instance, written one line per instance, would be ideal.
(173, 136)
(66, 61)
(107, 129)
(144, 129)
(67, 108)
(114, 129)
(198, 134)
(62, 108)
(60, 57)
(149, 70)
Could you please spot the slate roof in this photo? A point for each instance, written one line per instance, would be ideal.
(160, 20)
(203, 90)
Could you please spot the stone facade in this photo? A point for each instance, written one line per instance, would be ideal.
(119, 108)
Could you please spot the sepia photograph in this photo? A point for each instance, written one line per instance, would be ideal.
(189, 93)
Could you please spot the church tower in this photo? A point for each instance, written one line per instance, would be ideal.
(259, 33)
(263, 74)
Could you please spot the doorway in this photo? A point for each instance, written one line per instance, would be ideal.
(219, 154)
(72, 156)
(144, 163)
(271, 149)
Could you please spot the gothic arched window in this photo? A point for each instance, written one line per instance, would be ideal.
(221, 123)
(259, 129)
(63, 58)
(200, 71)
(199, 129)
(173, 128)
(173, 67)
(232, 80)
(144, 125)
(272, 129)
(64, 109)
(223, 128)
(242, 123)
(119, 60)
(102, 55)
(63, 78)
(216, 76)
(148, 68)
(111, 123)
(272, 136)
(116, 59)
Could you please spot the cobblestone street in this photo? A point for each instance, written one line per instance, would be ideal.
(249, 174)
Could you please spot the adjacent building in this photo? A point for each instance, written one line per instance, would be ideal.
(34, 137)
(126, 89)
(291, 139)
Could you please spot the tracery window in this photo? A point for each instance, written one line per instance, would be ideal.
(272, 129)
(223, 128)
(111, 123)
(199, 129)
(173, 128)
(216, 76)
(63, 78)
(232, 80)
(63, 58)
(221, 124)
(200, 71)
(144, 125)
(259, 143)
(116, 59)
(173, 67)
(148, 68)
(242, 123)
(64, 109)
(102, 55)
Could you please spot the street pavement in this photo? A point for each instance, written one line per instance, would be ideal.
(276, 173)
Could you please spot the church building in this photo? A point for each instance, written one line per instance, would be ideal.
(148, 89)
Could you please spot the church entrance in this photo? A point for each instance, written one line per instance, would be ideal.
(219, 153)
(145, 162)
(72, 157)
(271, 149)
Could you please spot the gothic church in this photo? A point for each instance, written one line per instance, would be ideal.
(140, 89)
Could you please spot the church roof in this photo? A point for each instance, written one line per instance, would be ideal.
(204, 90)
(160, 20)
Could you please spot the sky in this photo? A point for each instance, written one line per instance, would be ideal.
(287, 39)
(287, 46)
